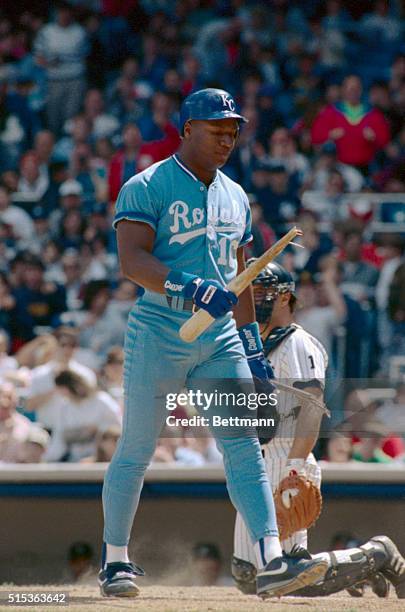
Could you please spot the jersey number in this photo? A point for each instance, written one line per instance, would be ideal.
(311, 361)
(227, 251)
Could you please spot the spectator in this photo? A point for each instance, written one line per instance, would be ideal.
(19, 221)
(396, 311)
(173, 447)
(83, 169)
(79, 130)
(34, 446)
(72, 279)
(315, 248)
(153, 63)
(85, 412)
(392, 412)
(80, 559)
(106, 443)
(283, 152)
(360, 410)
(72, 228)
(102, 124)
(43, 396)
(15, 429)
(263, 235)
(369, 448)
(37, 352)
(358, 130)
(379, 25)
(323, 309)
(281, 203)
(7, 363)
(37, 301)
(99, 221)
(269, 119)
(339, 449)
(100, 326)
(326, 163)
(7, 304)
(43, 147)
(191, 74)
(58, 174)
(32, 183)
(359, 278)
(206, 565)
(200, 440)
(393, 250)
(71, 197)
(17, 126)
(123, 95)
(133, 157)
(332, 198)
(40, 217)
(61, 49)
(112, 374)
(123, 298)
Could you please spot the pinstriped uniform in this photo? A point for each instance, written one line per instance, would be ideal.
(301, 357)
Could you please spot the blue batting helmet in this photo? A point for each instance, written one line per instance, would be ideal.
(208, 105)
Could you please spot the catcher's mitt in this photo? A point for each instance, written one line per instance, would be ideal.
(298, 509)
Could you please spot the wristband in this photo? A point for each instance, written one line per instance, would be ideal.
(181, 284)
(297, 465)
(252, 342)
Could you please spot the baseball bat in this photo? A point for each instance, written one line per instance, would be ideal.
(201, 320)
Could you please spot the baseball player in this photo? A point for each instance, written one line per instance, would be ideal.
(299, 359)
(181, 226)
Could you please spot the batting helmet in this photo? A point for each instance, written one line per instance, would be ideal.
(268, 284)
(208, 105)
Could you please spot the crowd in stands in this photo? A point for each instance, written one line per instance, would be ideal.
(89, 95)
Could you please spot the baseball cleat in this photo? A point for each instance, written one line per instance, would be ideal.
(118, 580)
(394, 568)
(288, 573)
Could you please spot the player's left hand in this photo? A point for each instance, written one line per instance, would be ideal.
(260, 367)
(252, 343)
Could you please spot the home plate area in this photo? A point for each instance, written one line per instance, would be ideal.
(196, 599)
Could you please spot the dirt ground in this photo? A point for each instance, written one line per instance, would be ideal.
(199, 599)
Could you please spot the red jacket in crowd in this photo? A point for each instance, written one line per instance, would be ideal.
(352, 144)
(148, 154)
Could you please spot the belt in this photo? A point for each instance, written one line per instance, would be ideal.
(187, 305)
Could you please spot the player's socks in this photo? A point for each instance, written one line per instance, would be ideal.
(116, 554)
(267, 549)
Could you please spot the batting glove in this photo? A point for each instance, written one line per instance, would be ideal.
(209, 295)
(252, 343)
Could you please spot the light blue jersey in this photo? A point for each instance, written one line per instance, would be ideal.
(198, 229)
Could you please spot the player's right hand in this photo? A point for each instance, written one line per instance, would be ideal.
(211, 296)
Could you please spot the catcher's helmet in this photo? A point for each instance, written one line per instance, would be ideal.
(208, 105)
(268, 284)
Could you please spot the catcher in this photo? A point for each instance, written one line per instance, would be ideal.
(299, 361)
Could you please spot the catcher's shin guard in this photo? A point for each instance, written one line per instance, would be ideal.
(363, 565)
(360, 564)
(394, 566)
(244, 575)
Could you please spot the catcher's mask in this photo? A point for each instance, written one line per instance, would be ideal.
(268, 284)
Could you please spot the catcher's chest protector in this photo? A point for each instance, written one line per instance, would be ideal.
(278, 334)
